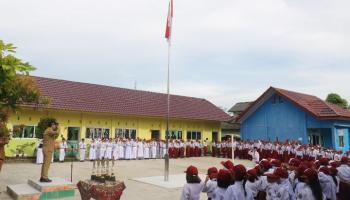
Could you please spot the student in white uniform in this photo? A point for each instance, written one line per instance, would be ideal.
(128, 149)
(311, 189)
(139, 149)
(238, 191)
(39, 153)
(255, 155)
(210, 183)
(92, 151)
(146, 149)
(194, 186)
(224, 180)
(109, 149)
(121, 145)
(115, 150)
(63, 147)
(103, 148)
(134, 149)
(154, 149)
(344, 176)
(82, 150)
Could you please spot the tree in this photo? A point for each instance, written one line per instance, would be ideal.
(335, 98)
(16, 88)
(43, 124)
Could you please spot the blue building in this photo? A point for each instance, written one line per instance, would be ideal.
(280, 114)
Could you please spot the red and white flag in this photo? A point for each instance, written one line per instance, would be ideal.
(169, 22)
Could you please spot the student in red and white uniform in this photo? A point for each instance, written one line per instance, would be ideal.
(344, 176)
(194, 186)
(210, 183)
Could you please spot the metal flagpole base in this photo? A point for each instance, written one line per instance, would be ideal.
(166, 172)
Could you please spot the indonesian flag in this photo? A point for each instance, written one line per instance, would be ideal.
(169, 21)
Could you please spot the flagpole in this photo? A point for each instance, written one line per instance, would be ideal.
(166, 171)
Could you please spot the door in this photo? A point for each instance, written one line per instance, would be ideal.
(155, 134)
(214, 136)
(73, 133)
(342, 139)
(314, 136)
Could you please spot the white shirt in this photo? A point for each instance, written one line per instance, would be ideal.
(192, 191)
(236, 192)
(210, 187)
(344, 173)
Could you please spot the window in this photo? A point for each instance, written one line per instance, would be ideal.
(93, 133)
(23, 131)
(341, 141)
(194, 135)
(175, 134)
(125, 133)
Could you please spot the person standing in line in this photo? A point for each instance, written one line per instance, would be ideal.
(121, 145)
(109, 149)
(154, 149)
(134, 149)
(210, 183)
(50, 135)
(115, 149)
(194, 186)
(255, 155)
(63, 148)
(39, 153)
(92, 151)
(103, 148)
(128, 149)
(140, 154)
(82, 150)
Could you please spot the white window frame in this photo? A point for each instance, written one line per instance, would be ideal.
(22, 135)
(102, 129)
(116, 134)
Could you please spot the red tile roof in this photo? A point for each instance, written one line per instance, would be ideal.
(309, 103)
(85, 97)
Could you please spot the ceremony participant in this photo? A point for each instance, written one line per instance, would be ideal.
(238, 191)
(115, 149)
(224, 180)
(109, 149)
(128, 149)
(344, 176)
(146, 149)
(50, 135)
(329, 189)
(92, 151)
(82, 147)
(154, 149)
(140, 154)
(39, 153)
(255, 155)
(63, 148)
(311, 189)
(253, 182)
(103, 149)
(194, 186)
(205, 147)
(121, 151)
(134, 149)
(210, 183)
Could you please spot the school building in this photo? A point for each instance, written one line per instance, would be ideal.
(92, 111)
(280, 114)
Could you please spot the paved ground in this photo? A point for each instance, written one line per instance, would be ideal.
(126, 171)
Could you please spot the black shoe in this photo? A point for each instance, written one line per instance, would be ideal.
(45, 180)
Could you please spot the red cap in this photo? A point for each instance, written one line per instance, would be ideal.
(301, 168)
(294, 162)
(324, 161)
(275, 162)
(191, 171)
(333, 171)
(281, 172)
(324, 170)
(265, 164)
(317, 164)
(252, 172)
(212, 172)
(310, 174)
(224, 175)
(334, 163)
(344, 160)
(228, 164)
(271, 176)
(240, 171)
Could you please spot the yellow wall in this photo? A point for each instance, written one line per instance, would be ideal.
(143, 125)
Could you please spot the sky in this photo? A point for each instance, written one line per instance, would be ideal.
(225, 51)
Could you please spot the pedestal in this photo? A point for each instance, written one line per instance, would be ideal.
(100, 191)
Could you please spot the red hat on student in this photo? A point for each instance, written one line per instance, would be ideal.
(240, 171)
(344, 160)
(253, 173)
(310, 174)
(272, 176)
(191, 171)
(224, 175)
(294, 162)
(301, 168)
(212, 172)
(333, 171)
(275, 163)
(281, 172)
(334, 163)
(324, 170)
(228, 164)
(265, 164)
(324, 161)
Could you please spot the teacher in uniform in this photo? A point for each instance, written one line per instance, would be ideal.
(50, 135)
